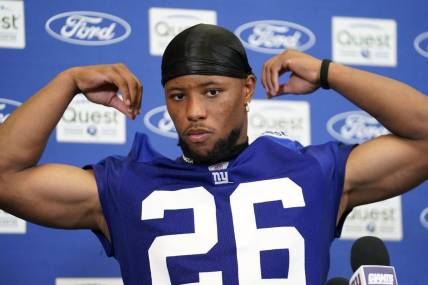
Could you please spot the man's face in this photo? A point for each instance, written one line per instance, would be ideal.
(209, 111)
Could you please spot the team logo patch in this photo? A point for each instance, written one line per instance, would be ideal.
(219, 173)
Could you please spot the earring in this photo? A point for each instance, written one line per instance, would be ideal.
(247, 107)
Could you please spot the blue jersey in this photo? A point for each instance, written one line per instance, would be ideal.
(266, 217)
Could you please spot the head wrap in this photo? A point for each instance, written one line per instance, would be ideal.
(206, 50)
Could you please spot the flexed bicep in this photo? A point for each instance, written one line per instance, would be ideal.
(383, 168)
(53, 195)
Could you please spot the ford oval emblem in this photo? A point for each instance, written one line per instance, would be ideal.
(355, 127)
(273, 36)
(421, 44)
(158, 121)
(7, 106)
(88, 28)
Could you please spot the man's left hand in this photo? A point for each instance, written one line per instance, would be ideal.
(304, 77)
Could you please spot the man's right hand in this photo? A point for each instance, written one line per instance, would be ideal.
(101, 83)
(66, 196)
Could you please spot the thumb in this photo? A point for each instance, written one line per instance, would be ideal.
(285, 89)
(119, 105)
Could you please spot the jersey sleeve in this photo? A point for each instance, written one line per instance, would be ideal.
(108, 175)
(332, 158)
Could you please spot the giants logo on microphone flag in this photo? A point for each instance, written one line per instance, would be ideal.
(374, 275)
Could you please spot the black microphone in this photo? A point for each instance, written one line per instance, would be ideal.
(369, 250)
(370, 263)
(337, 281)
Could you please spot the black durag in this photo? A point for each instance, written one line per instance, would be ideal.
(205, 50)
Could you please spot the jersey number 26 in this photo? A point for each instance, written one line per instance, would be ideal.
(249, 239)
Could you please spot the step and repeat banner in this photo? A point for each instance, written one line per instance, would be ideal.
(39, 39)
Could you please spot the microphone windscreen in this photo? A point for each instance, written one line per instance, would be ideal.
(368, 250)
(337, 281)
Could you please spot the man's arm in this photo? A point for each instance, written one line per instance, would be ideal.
(389, 165)
(58, 195)
(383, 167)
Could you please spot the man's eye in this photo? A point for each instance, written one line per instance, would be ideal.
(213, 92)
(177, 97)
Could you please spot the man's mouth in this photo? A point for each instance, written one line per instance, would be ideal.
(198, 135)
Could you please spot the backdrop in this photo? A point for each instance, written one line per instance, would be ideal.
(38, 39)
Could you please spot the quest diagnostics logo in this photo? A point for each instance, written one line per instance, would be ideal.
(364, 41)
(355, 127)
(7, 106)
(273, 36)
(88, 28)
(166, 23)
(158, 121)
(421, 44)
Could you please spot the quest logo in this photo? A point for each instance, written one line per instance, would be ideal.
(273, 36)
(421, 44)
(7, 106)
(88, 28)
(166, 23)
(364, 41)
(158, 121)
(12, 24)
(355, 127)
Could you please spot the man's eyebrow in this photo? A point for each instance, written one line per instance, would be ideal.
(203, 84)
(211, 82)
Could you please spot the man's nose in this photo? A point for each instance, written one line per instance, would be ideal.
(195, 108)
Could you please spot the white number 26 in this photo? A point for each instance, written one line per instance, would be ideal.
(249, 239)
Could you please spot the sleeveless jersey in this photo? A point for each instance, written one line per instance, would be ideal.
(266, 217)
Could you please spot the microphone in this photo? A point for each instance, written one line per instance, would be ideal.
(337, 281)
(370, 263)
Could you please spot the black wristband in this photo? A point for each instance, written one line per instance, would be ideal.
(324, 74)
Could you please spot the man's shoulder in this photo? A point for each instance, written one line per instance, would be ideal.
(277, 138)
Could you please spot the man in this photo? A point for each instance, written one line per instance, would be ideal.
(226, 212)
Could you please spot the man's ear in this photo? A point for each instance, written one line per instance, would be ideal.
(249, 87)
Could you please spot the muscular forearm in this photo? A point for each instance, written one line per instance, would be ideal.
(24, 134)
(399, 107)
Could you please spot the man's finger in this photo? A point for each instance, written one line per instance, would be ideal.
(131, 81)
(274, 75)
(268, 79)
(285, 89)
(264, 76)
(119, 105)
(121, 85)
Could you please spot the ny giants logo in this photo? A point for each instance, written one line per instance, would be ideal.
(273, 36)
(88, 28)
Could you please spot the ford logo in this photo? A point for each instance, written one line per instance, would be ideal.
(424, 218)
(158, 121)
(355, 127)
(88, 28)
(421, 44)
(273, 36)
(7, 106)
